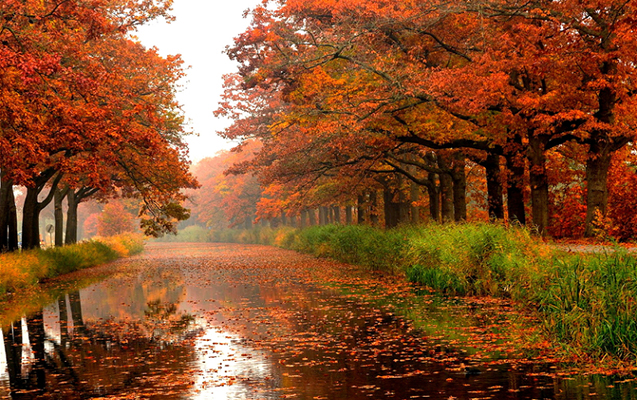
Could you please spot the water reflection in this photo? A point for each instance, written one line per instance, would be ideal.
(220, 325)
(59, 353)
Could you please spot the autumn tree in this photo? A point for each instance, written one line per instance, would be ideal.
(114, 220)
(87, 106)
(225, 199)
(483, 77)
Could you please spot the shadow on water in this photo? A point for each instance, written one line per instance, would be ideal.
(249, 322)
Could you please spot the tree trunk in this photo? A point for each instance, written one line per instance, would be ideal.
(597, 167)
(71, 218)
(59, 216)
(303, 221)
(5, 187)
(373, 209)
(13, 223)
(459, 177)
(414, 196)
(404, 205)
(337, 215)
(360, 204)
(494, 187)
(433, 192)
(323, 215)
(539, 185)
(32, 208)
(348, 215)
(446, 190)
(391, 209)
(515, 194)
(30, 220)
(312, 217)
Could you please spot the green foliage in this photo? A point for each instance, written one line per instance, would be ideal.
(355, 244)
(588, 303)
(62, 260)
(133, 243)
(190, 234)
(591, 302)
(483, 259)
(21, 269)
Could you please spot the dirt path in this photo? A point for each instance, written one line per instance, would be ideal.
(591, 248)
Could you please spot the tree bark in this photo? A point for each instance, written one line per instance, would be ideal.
(312, 217)
(348, 215)
(337, 215)
(459, 178)
(515, 194)
(32, 208)
(539, 185)
(5, 187)
(433, 192)
(59, 216)
(323, 215)
(391, 209)
(71, 218)
(494, 187)
(30, 220)
(372, 209)
(360, 205)
(446, 190)
(13, 223)
(597, 167)
(414, 196)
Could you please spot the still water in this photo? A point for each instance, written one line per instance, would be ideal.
(207, 321)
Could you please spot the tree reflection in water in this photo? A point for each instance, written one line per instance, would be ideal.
(102, 358)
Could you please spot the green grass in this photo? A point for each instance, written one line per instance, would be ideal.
(588, 303)
(21, 269)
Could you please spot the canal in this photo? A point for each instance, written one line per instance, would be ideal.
(222, 321)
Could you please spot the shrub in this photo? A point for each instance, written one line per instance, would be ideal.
(26, 268)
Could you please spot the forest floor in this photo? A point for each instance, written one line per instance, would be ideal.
(591, 246)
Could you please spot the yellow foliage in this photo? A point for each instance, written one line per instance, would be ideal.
(20, 269)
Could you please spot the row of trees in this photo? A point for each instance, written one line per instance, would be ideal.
(349, 97)
(86, 111)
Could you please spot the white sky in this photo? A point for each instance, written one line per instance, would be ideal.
(202, 30)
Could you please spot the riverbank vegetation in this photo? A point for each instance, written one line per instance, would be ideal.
(19, 270)
(586, 302)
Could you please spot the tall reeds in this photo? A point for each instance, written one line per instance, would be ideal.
(586, 302)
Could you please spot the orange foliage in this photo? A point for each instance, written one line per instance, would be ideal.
(622, 187)
(114, 220)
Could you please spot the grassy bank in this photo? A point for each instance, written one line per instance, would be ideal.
(22, 269)
(588, 303)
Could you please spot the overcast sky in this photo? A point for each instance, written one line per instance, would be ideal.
(201, 32)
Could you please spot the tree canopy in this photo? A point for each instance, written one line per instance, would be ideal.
(367, 94)
(84, 106)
